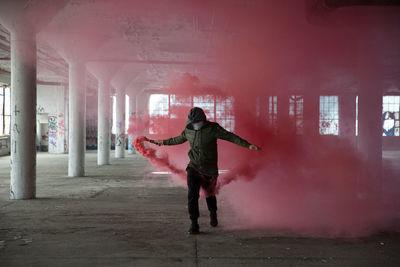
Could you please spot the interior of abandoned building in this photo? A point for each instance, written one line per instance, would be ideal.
(314, 83)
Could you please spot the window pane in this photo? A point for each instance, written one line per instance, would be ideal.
(224, 113)
(329, 115)
(7, 124)
(114, 115)
(179, 105)
(1, 126)
(7, 102)
(127, 114)
(1, 103)
(296, 112)
(390, 115)
(158, 105)
(206, 103)
(273, 112)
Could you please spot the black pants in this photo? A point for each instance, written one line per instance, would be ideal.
(196, 180)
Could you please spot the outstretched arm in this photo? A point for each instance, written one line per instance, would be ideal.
(231, 137)
(172, 141)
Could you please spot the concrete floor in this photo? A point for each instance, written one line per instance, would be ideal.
(122, 215)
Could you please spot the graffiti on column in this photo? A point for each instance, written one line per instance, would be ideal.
(61, 124)
(52, 131)
(91, 133)
(119, 126)
(120, 140)
(40, 109)
(16, 129)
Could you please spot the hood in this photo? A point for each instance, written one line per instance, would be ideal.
(195, 115)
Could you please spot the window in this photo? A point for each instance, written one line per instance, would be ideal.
(158, 108)
(296, 112)
(329, 115)
(114, 115)
(356, 115)
(273, 112)
(158, 105)
(207, 103)
(178, 104)
(216, 108)
(224, 112)
(5, 110)
(390, 115)
(127, 114)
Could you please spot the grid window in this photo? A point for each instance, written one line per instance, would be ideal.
(296, 112)
(178, 103)
(216, 108)
(127, 114)
(207, 103)
(273, 112)
(5, 110)
(390, 115)
(224, 113)
(329, 115)
(158, 107)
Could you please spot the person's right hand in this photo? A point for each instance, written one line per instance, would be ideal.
(254, 147)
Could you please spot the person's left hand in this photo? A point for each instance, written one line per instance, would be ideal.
(254, 147)
(156, 142)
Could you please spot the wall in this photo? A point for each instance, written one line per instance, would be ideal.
(51, 109)
(391, 143)
(4, 145)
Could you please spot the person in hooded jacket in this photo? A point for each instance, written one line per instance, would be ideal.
(202, 170)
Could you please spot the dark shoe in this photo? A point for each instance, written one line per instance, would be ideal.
(213, 218)
(194, 229)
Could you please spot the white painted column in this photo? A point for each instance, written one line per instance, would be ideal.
(132, 114)
(104, 118)
(77, 116)
(311, 113)
(120, 129)
(23, 118)
(142, 109)
(284, 124)
(370, 112)
(347, 116)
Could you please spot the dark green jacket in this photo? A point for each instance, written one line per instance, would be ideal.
(203, 152)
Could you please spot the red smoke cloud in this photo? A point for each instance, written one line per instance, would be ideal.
(317, 185)
(310, 185)
(159, 160)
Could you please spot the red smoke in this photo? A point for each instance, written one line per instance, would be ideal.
(158, 160)
(311, 185)
(248, 51)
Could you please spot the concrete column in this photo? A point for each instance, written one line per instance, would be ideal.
(142, 109)
(370, 131)
(132, 114)
(120, 129)
(23, 118)
(347, 116)
(104, 122)
(370, 112)
(77, 115)
(311, 114)
(284, 125)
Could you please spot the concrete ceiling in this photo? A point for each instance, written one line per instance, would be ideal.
(157, 40)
